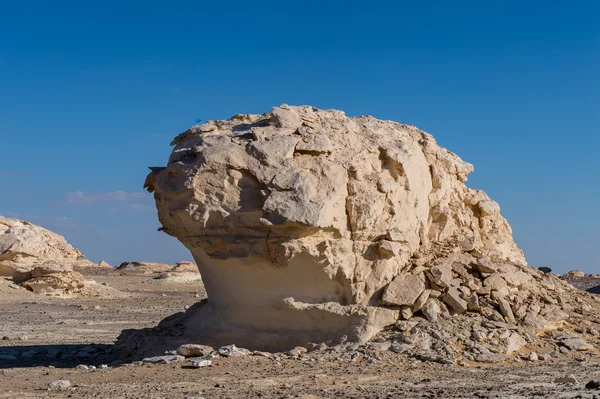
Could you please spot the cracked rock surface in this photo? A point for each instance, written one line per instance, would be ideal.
(310, 226)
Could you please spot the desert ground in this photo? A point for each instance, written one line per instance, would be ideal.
(58, 338)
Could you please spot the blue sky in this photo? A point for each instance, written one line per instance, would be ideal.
(91, 93)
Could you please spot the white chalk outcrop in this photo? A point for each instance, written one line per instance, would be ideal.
(308, 225)
(24, 245)
(43, 261)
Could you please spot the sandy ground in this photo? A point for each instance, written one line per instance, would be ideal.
(66, 333)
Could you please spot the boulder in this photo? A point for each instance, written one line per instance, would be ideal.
(310, 226)
(404, 290)
(24, 245)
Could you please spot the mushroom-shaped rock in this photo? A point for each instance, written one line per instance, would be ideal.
(299, 219)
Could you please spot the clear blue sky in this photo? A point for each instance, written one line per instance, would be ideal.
(91, 93)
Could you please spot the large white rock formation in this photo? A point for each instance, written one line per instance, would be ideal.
(24, 245)
(299, 220)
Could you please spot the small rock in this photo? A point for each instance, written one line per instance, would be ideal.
(233, 351)
(262, 354)
(59, 385)
(593, 384)
(532, 357)
(576, 344)
(201, 363)
(194, 350)
(163, 359)
(453, 299)
(399, 347)
(297, 351)
(490, 358)
(431, 310)
(569, 379)
(381, 346)
(404, 290)
(545, 356)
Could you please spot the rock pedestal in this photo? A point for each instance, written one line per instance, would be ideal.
(308, 225)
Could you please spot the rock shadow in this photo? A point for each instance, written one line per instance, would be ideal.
(60, 356)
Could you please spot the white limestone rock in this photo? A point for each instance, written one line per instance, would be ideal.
(309, 226)
(24, 245)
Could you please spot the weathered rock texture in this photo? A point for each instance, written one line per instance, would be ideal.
(307, 225)
(43, 262)
(24, 245)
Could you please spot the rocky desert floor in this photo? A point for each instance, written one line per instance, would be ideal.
(45, 339)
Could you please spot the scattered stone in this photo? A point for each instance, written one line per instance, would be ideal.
(201, 363)
(453, 299)
(399, 347)
(380, 346)
(533, 357)
(569, 379)
(59, 385)
(297, 351)
(233, 351)
(441, 276)
(506, 310)
(431, 310)
(194, 350)
(404, 290)
(545, 356)
(421, 301)
(490, 358)
(576, 344)
(163, 359)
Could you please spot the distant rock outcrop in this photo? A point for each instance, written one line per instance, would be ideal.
(24, 245)
(182, 272)
(42, 261)
(307, 225)
(142, 268)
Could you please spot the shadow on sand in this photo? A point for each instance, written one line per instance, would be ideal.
(59, 356)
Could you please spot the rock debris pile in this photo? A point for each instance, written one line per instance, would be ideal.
(310, 226)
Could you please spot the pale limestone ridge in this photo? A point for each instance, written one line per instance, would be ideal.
(299, 220)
